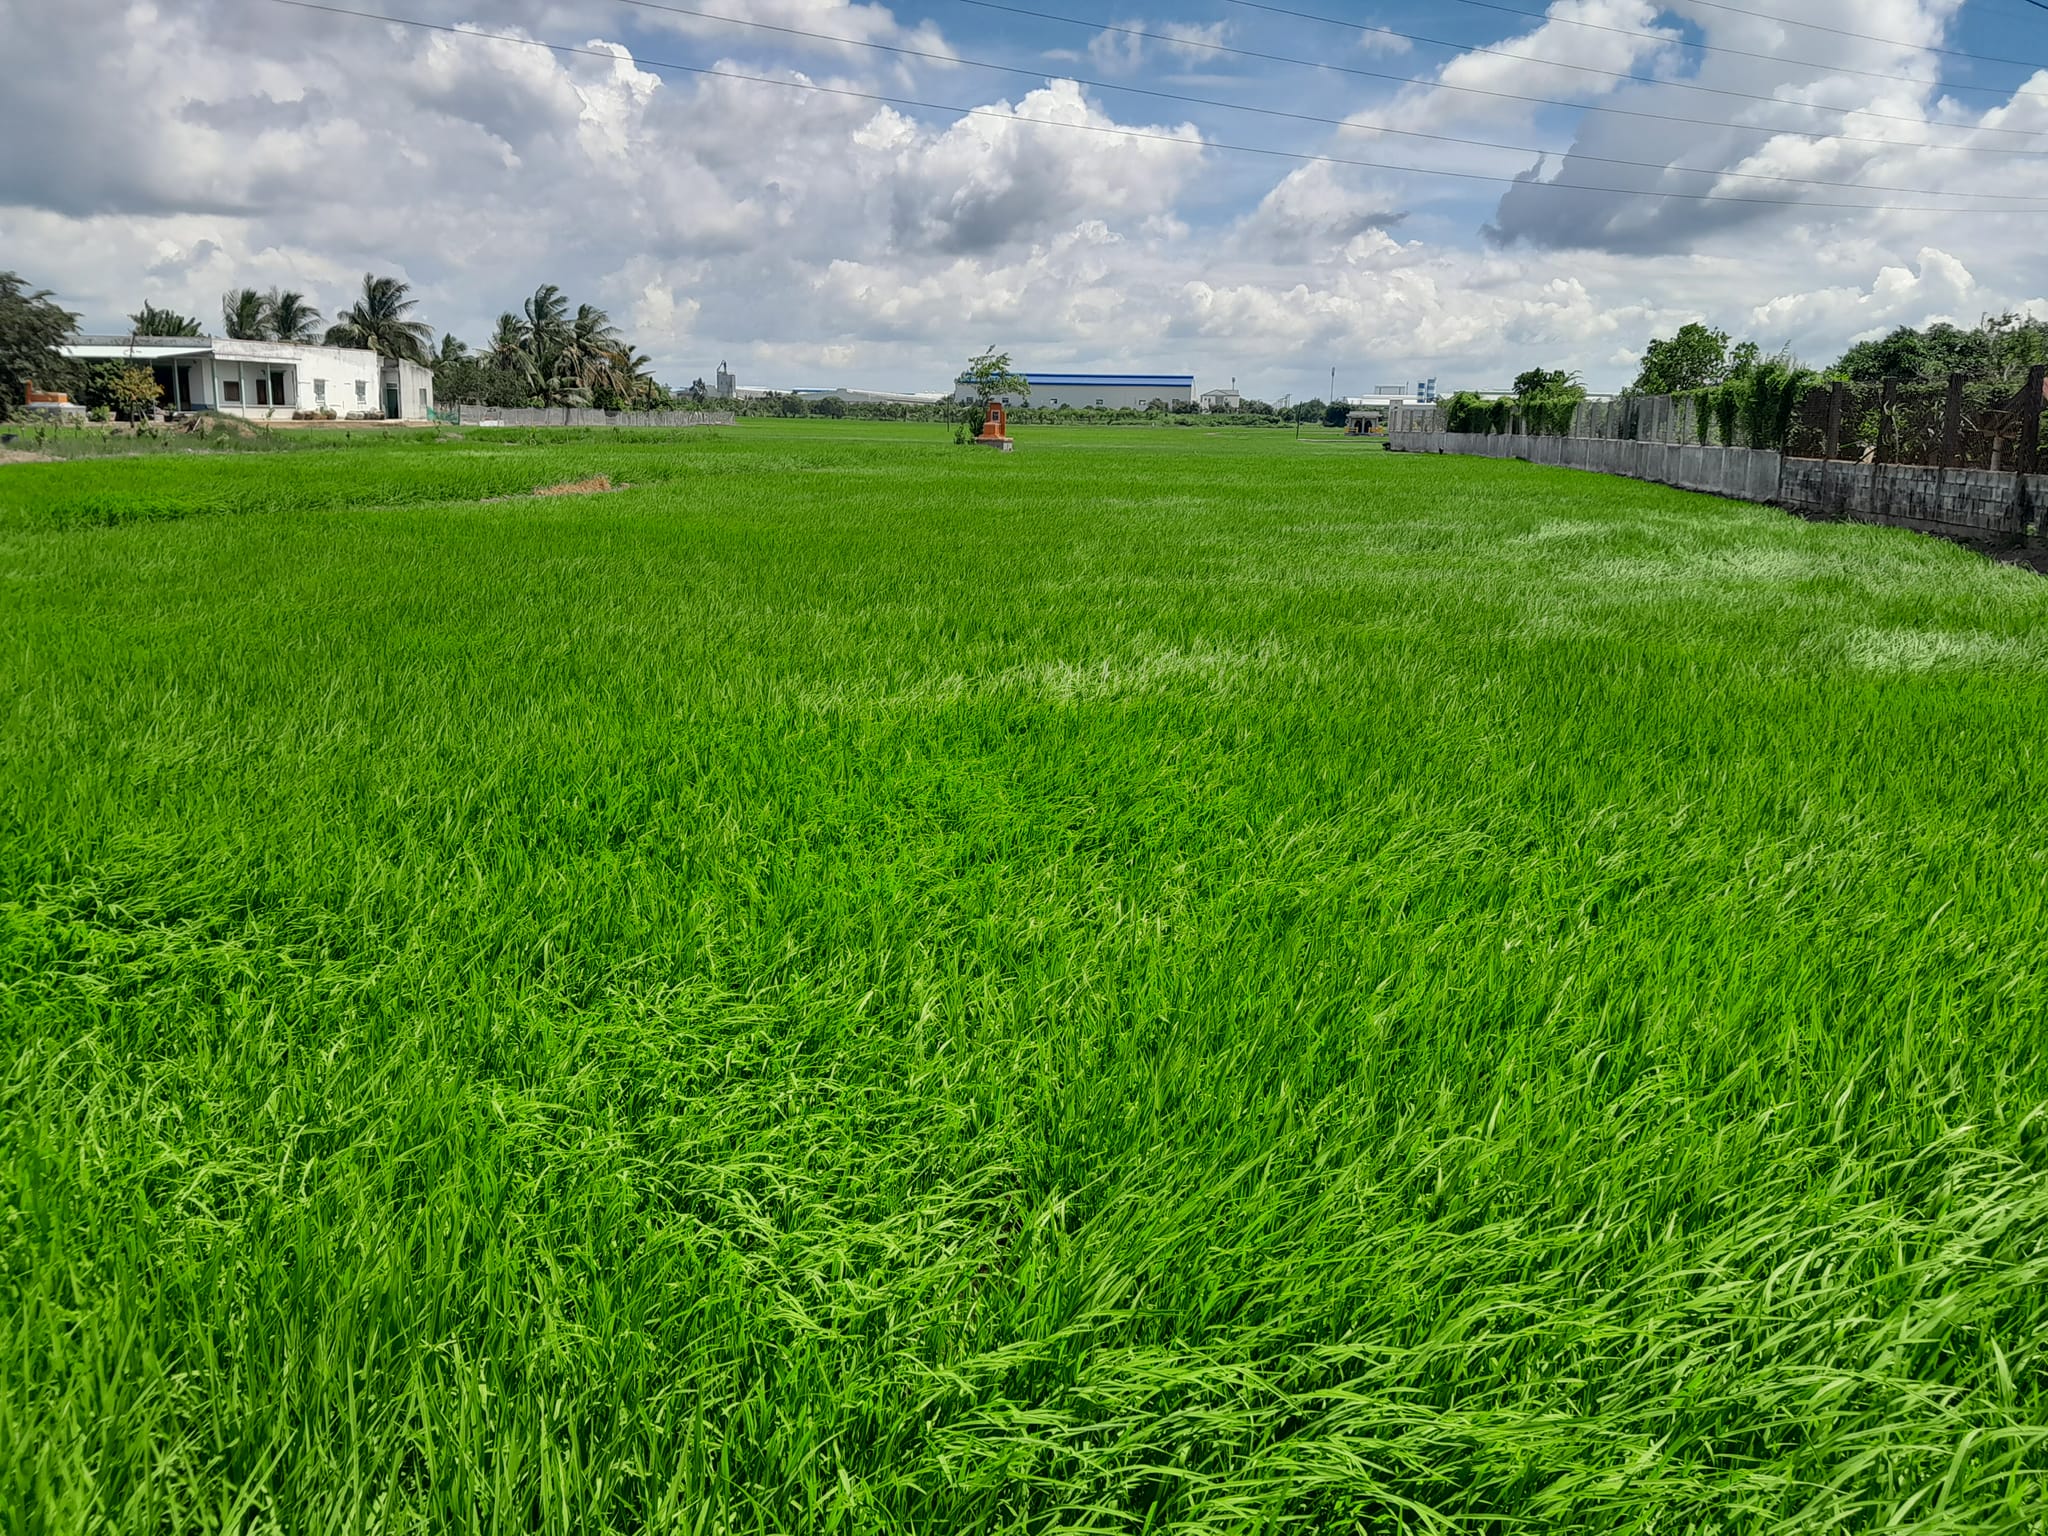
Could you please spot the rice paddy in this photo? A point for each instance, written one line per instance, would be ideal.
(1166, 981)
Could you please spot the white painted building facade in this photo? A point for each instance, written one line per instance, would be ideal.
(269, 380)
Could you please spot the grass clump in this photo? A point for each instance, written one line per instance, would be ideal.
(1156, 983)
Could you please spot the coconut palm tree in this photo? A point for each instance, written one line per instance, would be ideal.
(151, 321)
(290, 317)
(507, 352)
(547, 338)
(244, 314)
(453, 349)
(588, 347)
(378, 321)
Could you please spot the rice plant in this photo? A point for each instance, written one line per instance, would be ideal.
(1164, 981)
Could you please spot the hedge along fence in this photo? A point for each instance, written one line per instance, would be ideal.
(1961, 459)
(1961, 423)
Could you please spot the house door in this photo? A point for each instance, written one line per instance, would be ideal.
(391, 401)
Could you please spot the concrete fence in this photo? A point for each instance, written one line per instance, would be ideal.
(572, 416)
(1971, 502)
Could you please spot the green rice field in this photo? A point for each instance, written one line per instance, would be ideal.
(1168, 981)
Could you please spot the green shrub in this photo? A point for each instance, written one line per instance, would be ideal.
(1727, 409)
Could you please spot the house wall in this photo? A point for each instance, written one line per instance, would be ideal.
(344, 380)
(415, 390)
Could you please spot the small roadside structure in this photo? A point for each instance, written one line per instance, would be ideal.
(49, 402)
(995, 429)
(1361, 423)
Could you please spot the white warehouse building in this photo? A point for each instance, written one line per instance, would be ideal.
(269, 379)
(1081, 391)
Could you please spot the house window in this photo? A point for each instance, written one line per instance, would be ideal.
(1098, 399)
(362, 392)
(320, 391)
(423, 402)
(231, 391)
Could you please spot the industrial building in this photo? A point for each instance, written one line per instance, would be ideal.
(1085, 391)
(268, 379)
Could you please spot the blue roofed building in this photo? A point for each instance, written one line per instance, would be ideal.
(1082, 391)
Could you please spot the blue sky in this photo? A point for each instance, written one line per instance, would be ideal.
(817, 239)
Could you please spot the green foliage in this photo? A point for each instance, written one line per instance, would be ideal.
(1703, 415)
(151, 321)
(287, 316)
(245, 315)
(546, 356)
(132, 391)
(1466, 412)
(1548, 400)
(1210, 986)
(1535, 383)
(32, 326)
(1696, 357)
(1728, 410)
(991, 378)
(2002, 347)
(381, 322)
(1336, 413)
(1769, 396)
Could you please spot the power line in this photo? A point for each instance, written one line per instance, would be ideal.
(1298, 156)
(1342, 124)
(1764, 130)
(1524, 58)
(1745, 53)
(1896, 42)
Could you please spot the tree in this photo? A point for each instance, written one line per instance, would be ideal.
(588, 362)
(991, 377)
(151, 321)
(380, 322)
(828, 405)
(133, 391)
(1695, 358)
(1545, 381)
(32, 327)
(1336, 413)
(507, 351)
(289, 316)
(2001, 348)
(245, 315)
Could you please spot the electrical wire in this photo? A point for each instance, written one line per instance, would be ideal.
(1815, 134)
(1298, 156)
(1866, 37)
(1743, 53)
(1524, 58)
(1342, 124)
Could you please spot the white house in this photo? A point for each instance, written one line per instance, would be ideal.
(269, 380)
(1222, 399)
